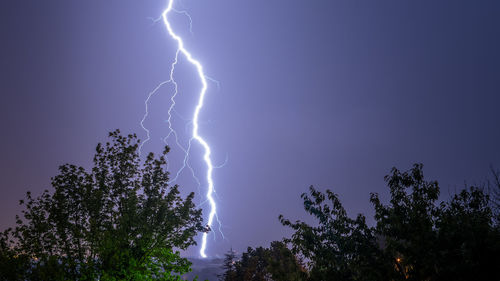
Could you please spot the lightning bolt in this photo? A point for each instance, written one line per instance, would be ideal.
(195, 136)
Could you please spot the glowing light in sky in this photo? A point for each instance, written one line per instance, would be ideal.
(181, 50)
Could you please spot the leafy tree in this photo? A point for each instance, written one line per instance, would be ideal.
(229, 266)
(338, 248)
(493, 188)
(253, 265)
(118, 221)
(276, 263)
(283, 264)
(453, 240)
(407, 224)
(12, 265)
(468, 243)
(415, 237)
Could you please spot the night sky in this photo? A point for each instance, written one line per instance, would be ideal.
(321, 92)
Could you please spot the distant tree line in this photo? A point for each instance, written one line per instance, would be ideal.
(415, 237)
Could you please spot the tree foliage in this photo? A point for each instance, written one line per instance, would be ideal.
(415, 236)
(338, 248)
(408, 223)
(261, 264)
(118, 221)
(229, 266)
(453, 240)
(468, 244)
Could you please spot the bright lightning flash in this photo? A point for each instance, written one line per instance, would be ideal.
(181, 50)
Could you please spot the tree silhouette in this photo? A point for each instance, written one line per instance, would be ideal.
(415, 237)
(407, 223)
(338, 248)
(119, 220)
(261, 264)
(229, 266)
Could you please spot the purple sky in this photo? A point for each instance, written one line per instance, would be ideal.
(322, 92)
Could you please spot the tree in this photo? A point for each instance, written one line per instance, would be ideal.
(283, 264)
(229, 266)
(12, 265)
(407, 224)
(338, 248)
(253, 265)
(415, 237)
(468, 244)
(453, 240)
(276, 263)
(493, 188)
(118, 221)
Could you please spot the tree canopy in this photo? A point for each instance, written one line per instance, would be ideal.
(414, 237)
(260, 264)
(120, 220)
